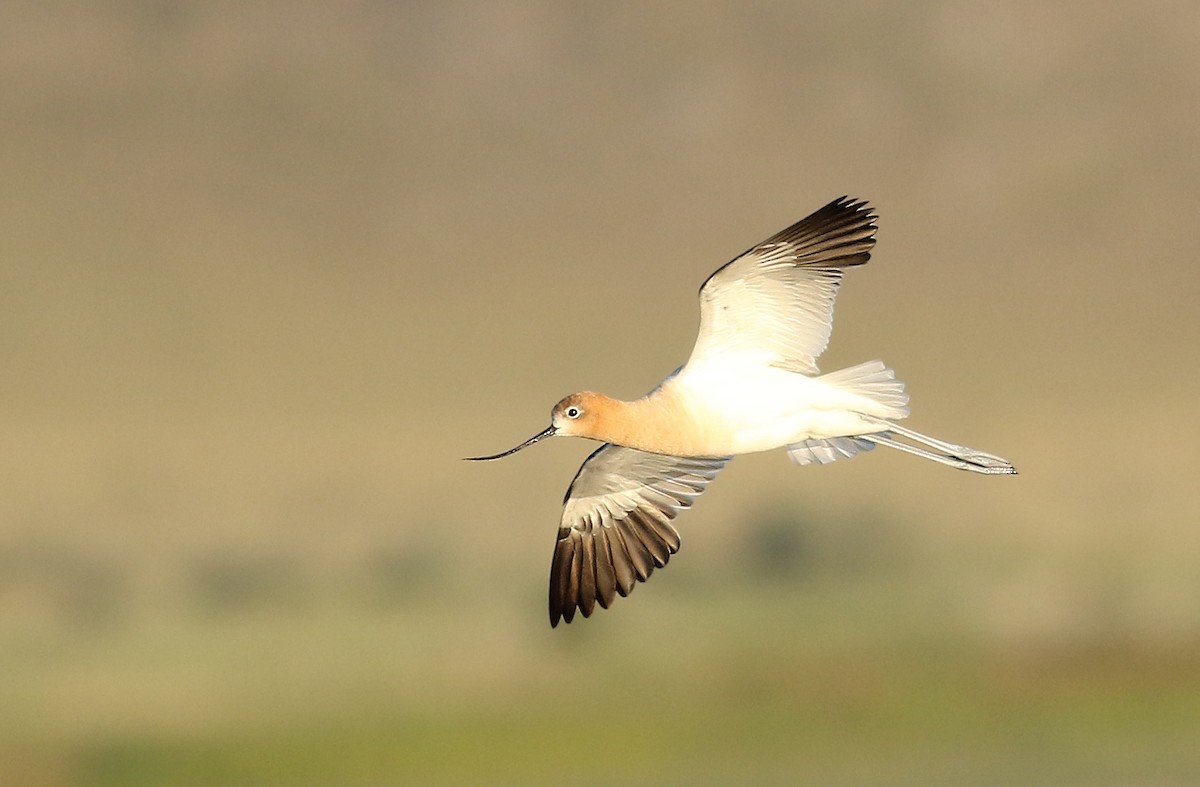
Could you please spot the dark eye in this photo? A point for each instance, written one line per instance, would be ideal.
(572, 412)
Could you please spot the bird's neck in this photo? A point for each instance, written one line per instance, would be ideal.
(656, 423)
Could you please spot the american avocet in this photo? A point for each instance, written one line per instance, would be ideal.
(750, 385)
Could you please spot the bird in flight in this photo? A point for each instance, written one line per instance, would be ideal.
(751, 384)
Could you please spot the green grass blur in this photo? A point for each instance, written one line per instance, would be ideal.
(270, 269)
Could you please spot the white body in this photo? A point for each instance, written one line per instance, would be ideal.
(743, 409)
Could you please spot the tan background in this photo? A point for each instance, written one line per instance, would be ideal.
(269, 269)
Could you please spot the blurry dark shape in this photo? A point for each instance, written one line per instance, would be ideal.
(796, 547)
(80, 590)
(779, 546)
(227, 583)
(399, 574)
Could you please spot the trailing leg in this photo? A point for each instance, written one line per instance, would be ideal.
(952, 454)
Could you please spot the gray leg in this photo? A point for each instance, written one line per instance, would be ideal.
(957, 456)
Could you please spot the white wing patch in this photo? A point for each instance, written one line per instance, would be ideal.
(773, 305)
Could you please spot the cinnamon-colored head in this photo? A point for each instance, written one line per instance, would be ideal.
(582, 414)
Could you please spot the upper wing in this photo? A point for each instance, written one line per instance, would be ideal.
(616, 524)
(773, 305)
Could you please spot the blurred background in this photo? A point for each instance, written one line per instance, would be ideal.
(271, 268)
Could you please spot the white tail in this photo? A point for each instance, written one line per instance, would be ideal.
(875, 381)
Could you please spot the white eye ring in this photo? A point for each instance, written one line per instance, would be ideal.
(573, 412)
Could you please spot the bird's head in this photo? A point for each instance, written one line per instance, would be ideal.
(581, 414)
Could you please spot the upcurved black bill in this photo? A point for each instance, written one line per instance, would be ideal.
(540, 436)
